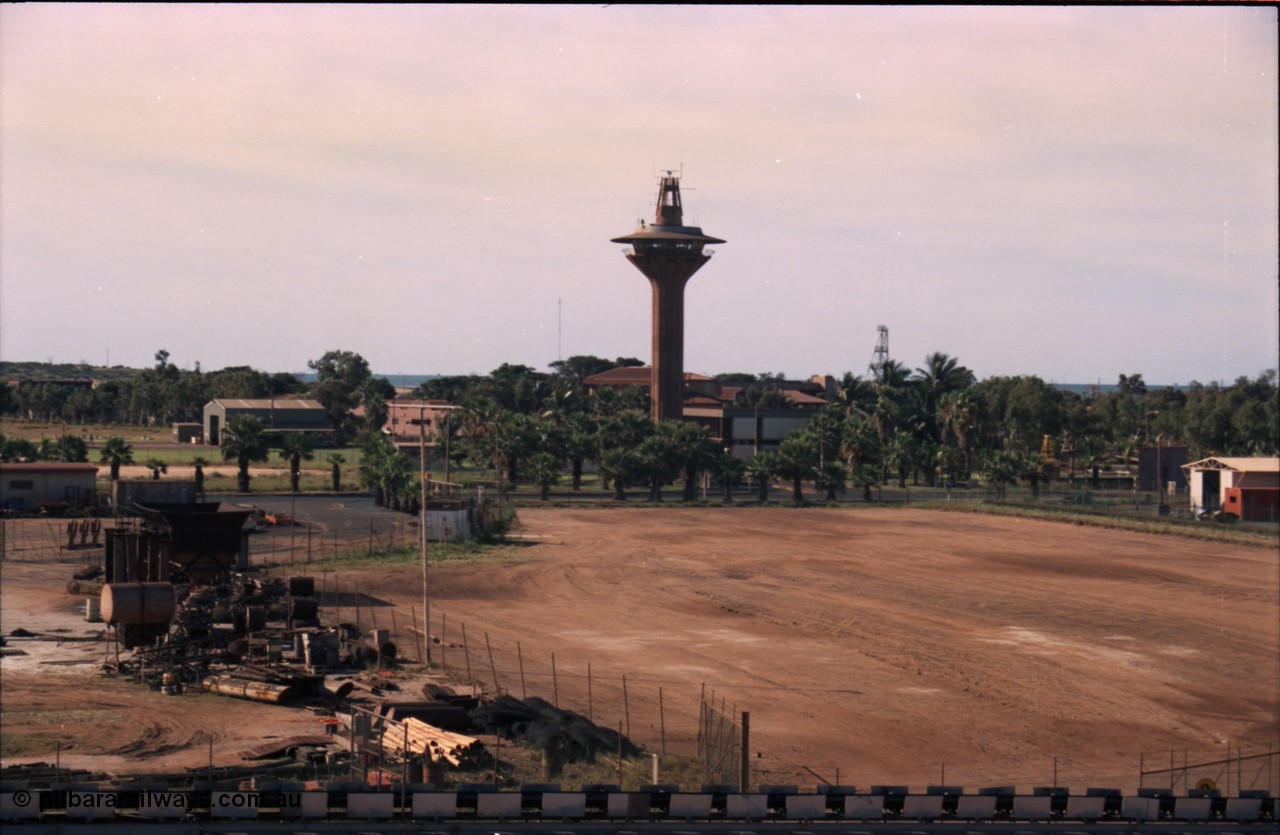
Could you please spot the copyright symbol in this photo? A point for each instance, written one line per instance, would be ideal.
(21, 798)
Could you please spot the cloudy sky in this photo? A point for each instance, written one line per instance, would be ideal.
(1071, 192)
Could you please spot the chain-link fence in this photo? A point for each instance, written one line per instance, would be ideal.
(1229, 770)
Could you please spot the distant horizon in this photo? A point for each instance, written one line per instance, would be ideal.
(409, 380)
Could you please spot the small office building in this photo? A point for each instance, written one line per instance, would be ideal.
(51, 485)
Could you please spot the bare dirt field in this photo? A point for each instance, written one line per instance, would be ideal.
(872, 646)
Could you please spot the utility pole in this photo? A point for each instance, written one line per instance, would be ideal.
(422, 527)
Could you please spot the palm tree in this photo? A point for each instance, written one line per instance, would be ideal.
(199, 463)
(1033, 470)
(157, 466)
(625, 429)
(958, 413)
(728, 470)
(296, 448)
(244, 441)
(115, 453)
(386, 469)
(797, 460)
(761, 469)
(545, 469)
(580, 445)
(1001, 468)
(856, 394)
(619, 466)
(866, 476)
(832, 477)
(901, 454)
(657, 461)
(859, 441)
(337, 461)
(693, 451)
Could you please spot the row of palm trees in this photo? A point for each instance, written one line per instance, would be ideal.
(933, 422)
(245, 440)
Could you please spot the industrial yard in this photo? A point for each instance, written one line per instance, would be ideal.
(869, 647)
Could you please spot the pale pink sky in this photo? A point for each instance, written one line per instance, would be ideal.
(1074, 192)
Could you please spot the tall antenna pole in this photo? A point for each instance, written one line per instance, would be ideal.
(559, 329)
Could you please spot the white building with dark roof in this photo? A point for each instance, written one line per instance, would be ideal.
(1246, 487)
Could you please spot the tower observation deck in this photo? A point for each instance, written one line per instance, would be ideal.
(668, 253)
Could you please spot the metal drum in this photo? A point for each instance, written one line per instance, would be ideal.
(135, 603)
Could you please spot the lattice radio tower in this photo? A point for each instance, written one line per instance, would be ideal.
(880, 355)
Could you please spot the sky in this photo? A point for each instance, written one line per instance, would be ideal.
(1072, 192)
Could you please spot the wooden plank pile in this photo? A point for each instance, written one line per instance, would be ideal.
(428, 739)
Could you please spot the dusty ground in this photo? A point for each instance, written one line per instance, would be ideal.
(879, 646)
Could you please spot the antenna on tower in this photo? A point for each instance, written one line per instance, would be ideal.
(880, 355)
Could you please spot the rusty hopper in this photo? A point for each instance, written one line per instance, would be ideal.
(206, 539)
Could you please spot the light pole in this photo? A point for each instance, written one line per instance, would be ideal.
(422, 526)
(1162, 509)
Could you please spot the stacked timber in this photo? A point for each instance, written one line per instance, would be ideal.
(422, 738)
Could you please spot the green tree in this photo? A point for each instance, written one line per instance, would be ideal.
(866, 476)
(244, 440)
(375, 408)
(728, 472)
(14, 450)
(545, 469)
(72, 448)
(342, 378)
(157, 466)
(1032, 466)
(856, 395)
(336, 460)
(1000, 468)
(958, 412)
(576, 368)
(761, 468)
(657, 460)
(942, 375)
(581, 445)
(797, 460)
(901, 456)
(832, 477)
(386, 469)
(295, 448)
(198, 464)
(694, 452)
(1021, 411)
(619, 467)
(859, 440)
(116, 453)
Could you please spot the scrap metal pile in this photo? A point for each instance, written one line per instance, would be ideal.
(542, 726)
(178, 592)
(182, 601)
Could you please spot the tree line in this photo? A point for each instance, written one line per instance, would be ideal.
(932, 424)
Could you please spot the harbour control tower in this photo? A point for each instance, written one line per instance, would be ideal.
(668, 253)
